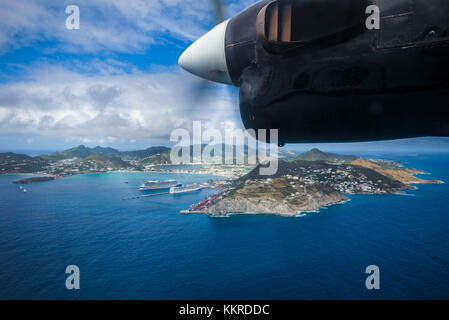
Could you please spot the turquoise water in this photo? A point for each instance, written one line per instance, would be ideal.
(145, 249)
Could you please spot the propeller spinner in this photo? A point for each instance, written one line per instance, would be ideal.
(206, 57)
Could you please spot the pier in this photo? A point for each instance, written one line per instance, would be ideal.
(191, 212)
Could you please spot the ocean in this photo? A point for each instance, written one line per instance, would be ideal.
(144, 249)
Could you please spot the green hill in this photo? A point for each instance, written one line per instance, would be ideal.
(164, 156)
(141, 154)
(106, 151)
(82, 152)
(318, 155)
(103, 161)
(20, 163)
(160, 158)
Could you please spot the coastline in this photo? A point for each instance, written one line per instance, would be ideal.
(298, 214)
(299, 187)
(48, 175)
(236, 202)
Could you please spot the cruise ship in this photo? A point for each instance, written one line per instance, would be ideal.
(180, 188)
(157, 185)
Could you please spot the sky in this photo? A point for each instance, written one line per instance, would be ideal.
(115, 81)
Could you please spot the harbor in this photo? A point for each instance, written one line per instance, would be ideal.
(172, 187)
(205, 204)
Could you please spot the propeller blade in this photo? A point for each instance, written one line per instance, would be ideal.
(201, 94)
(202, 89)
(219, 11)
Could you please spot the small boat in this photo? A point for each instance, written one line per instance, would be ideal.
(180, 188)
(157, 185)
(25, 190)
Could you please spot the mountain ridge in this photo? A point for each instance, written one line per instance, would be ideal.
(316, 154)
(82, 152)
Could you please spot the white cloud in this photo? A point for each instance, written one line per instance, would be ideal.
(4, 114)
(106, 100)
(54, 101)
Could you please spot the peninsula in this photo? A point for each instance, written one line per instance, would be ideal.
(307, 183)
(304, 182)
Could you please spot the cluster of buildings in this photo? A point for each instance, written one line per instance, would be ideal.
(75, 166)
(228, 171)
(343, 178)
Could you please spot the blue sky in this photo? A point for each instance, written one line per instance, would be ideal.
(115, 81)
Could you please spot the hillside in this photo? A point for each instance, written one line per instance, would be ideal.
(323, 172)
(318, 155)
(78, 152)
(101, 161)
(157, 159)
(276, 196)
(108, 151)
(142, 154)
(82, 152)
(163, 157)
(306, 185)
(20, 163)
(404, 175)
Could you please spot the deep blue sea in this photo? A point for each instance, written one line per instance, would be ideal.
(145, 249)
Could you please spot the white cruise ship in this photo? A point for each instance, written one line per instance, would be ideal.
(180, 188)
(157, 185)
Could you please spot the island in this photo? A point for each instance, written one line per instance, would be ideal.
(307, 183)
(78, 160)
(35, 179)
(303, 183)
(82, 160)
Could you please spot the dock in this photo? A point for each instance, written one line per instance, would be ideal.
(191, 212)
